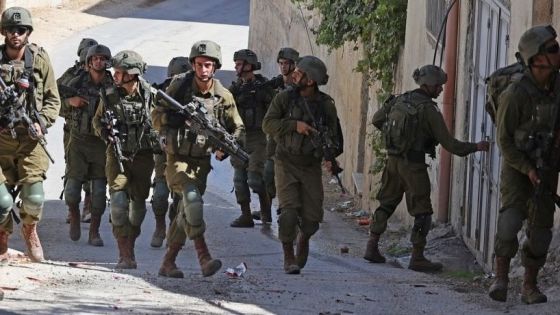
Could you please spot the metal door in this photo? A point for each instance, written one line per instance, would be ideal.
(491, 37)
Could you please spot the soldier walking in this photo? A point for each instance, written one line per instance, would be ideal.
(123, 121)
(527, 134)
(297, 160)
(252, 98)
(188, 153)
(412, 126)
(160, 195)
(27, 71)
(86, 151)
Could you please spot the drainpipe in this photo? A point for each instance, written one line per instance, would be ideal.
(450, 67)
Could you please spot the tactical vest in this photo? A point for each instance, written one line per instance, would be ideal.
(536, 135)
(301, 145)
(186, 142)
(81, 118)
(251, 102)
(133, 119)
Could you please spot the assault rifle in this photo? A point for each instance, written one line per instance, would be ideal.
(321, 140)
(109, 121)
(14, 111)
(90, 95)
(199, 122)
(273, 83)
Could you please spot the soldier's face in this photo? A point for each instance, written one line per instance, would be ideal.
(98, 63)
(204, 68)
(122, 77)
(16, 36)
(286, 66)
(435, 90)
(241, 66)
(552, 52)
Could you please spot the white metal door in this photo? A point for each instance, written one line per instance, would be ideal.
(491, 37)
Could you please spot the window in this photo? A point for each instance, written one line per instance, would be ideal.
(435, 13)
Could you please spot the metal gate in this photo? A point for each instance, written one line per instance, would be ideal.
(491, 38)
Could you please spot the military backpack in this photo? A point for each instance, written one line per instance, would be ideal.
(497, 82)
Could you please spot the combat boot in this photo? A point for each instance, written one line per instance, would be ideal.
(419, 263)
(34, 248)
(372, 250)
(94, 237)
(530, 293)
(131, 245)
(245, 220)
(86, 211)
(208, 265)
(290, 266)
(159, 233)
(498, 289)
(4, 242)
(168, 267)
(125, 259)
(75, 229)
(302, 250)
(265, 204)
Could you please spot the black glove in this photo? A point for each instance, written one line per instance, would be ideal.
(176, 119)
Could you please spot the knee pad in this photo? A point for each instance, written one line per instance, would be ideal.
(98, 194)
(32, 196)
(160, 196)
(72, 191)
(192, 202)
(510, 222)
(6, 201)
(119, 208)
(379, 221)
(422, 224)
(255, 181)
(539, 240)
(137, 212)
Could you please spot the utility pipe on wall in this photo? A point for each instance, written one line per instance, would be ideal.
(450, 68)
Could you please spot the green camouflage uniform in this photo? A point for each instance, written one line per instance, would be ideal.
(408, 174)
(525, 111)
(188, 156)
(129, 190)
(297, 162)
(23, 161)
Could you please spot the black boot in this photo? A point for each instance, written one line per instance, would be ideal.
(244, 220)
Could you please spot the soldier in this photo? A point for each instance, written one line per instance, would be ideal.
(286, 59)
(160, 194)
(527, 120)
(23, 157)
(297, 160)
(188, 154)
(86, 152)
(405, 171)
(252, 98)
(123, 121)
(71, 73)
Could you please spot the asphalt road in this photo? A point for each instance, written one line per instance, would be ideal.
(332, 283)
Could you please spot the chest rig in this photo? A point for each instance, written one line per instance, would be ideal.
(250, 101)
(134, 124)
(81, 118)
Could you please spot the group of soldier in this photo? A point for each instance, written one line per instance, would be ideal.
(119, 128)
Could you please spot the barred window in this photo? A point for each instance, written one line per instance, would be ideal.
(435, 14)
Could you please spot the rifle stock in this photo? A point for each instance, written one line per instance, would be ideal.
(198, 122)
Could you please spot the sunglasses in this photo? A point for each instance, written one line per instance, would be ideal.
(16, 29)
(554, 49)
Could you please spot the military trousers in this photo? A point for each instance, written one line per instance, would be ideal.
(160, 195)
(520, 204)
(24, 163)
(186, 176)
(300, 195)
(135, 183)
(268, 175)
(250, 177)
(402, 177)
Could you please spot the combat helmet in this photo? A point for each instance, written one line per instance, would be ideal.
(532, 41)
(98, 50)
(288, 53)
(248, 56)
(85, 43)
(16, 16)
(178, 65)
(314, 68)
(130, 61)
(207, 48)
(429, 75)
